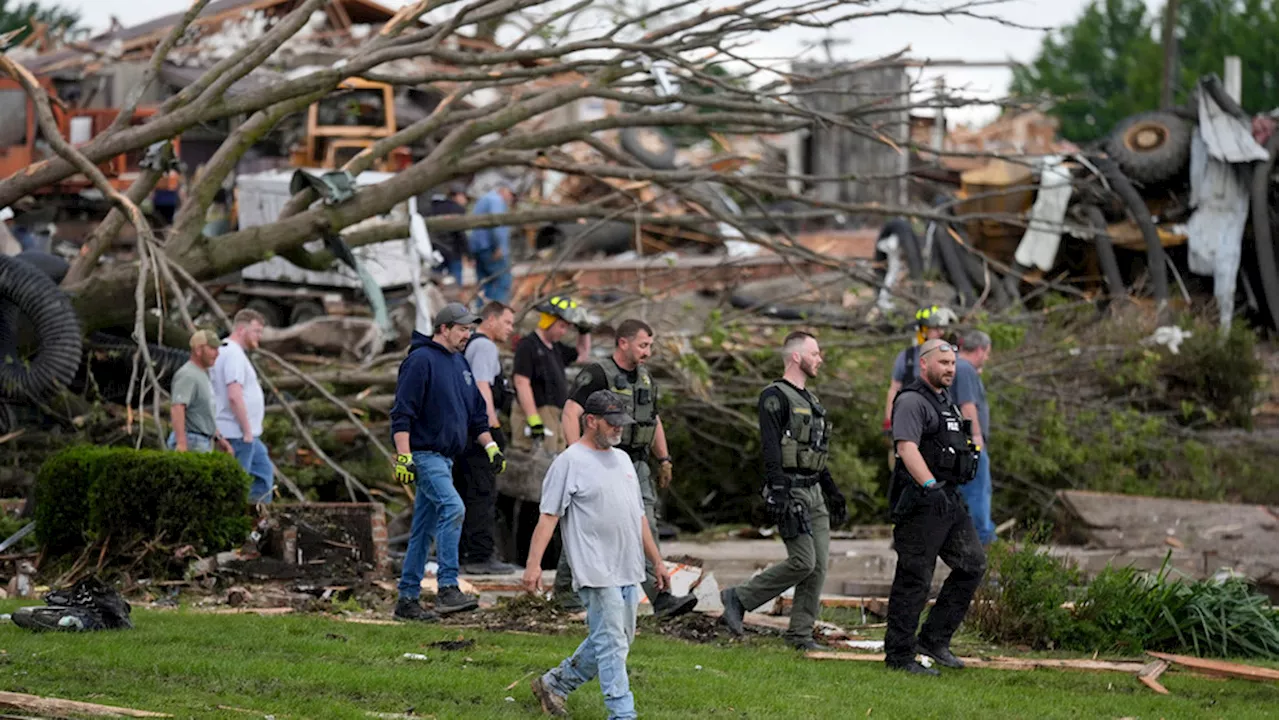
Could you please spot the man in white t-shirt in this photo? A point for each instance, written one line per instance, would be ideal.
(240, 404)
(593, 486)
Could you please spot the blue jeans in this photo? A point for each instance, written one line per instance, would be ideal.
(437, 512)
(611, 626)
(256, 461)
(977, 494)
(195, 442)
(494, 277)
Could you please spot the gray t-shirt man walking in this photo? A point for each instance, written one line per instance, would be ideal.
(593, 486)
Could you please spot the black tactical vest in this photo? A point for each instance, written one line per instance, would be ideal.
(948, 450)
(643, 405)
(503, 392)
(806, 437)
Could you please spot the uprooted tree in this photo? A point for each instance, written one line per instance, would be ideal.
(485, 120)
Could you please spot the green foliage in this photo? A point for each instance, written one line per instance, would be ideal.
(1108, 64)
(86, 493)
(1100, 69)
(1023, 601)
(16, 15)
(1122, 610)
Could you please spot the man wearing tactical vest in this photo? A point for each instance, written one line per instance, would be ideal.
(936, 455)
(799, 493)
(625, 374)
(472, 475)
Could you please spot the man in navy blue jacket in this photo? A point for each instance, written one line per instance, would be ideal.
(438, 411)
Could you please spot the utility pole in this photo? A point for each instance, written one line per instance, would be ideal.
(1170, 41)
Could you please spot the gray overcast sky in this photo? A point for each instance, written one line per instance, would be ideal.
(961, 38)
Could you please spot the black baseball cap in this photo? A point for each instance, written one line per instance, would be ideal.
(456, 314)
(608, 405)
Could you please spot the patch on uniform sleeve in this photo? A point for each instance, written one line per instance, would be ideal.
(772, 403)
(582, 379)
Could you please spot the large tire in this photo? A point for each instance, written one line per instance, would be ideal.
(1151, 147)
(652, 146)
(1138, 211)
(57, 330)
(1106, 252)
(273, 313)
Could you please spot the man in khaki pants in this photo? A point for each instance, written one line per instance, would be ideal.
(799, 493)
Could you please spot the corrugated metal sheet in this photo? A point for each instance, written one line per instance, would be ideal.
(1227, 137)
(1215, 230)
(1039, 245)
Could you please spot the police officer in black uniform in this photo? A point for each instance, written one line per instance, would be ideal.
(935, 455)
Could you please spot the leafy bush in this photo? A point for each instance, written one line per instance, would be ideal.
(86, 494)
(1021, 602)
(1026, 601)
(1127, 610)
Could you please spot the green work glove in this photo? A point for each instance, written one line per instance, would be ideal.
(406, 472)
(497, 461)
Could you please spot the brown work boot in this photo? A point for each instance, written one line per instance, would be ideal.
(552, 704)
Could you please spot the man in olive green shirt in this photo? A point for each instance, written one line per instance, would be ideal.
(191, 408)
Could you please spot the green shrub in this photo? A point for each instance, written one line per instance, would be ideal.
(1021, 602)
(1128, 610)
(1026, 601)
(86, 494)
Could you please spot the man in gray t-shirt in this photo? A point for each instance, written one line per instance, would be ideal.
(473, 476)
(593, 486)
(192, 409)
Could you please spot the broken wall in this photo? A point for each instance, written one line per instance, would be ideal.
(835, 151)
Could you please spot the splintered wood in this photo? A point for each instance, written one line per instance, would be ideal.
(56, 707)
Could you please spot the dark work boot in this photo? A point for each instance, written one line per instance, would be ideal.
(809, 645)
(940, 655)
(733, 611)
(451, 600)
(411, 609)
(912, 667)
(667, 605)
(492, 567)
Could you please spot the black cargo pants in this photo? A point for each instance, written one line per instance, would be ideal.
(931, 524)
(477, 485)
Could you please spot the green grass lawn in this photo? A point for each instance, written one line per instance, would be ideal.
(310, 666)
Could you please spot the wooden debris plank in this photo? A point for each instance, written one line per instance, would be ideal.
(1150, 675)
(1003, 663)
(1221, 668)
(63, 708)
(248, 611)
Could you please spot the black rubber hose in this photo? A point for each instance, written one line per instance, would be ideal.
(978, 270)
(110, 359)
(1264, 236)
(57, 331)
(1213, 84)
(946, 247)
(1141, 214)
(1106, 252)
(909, 243)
